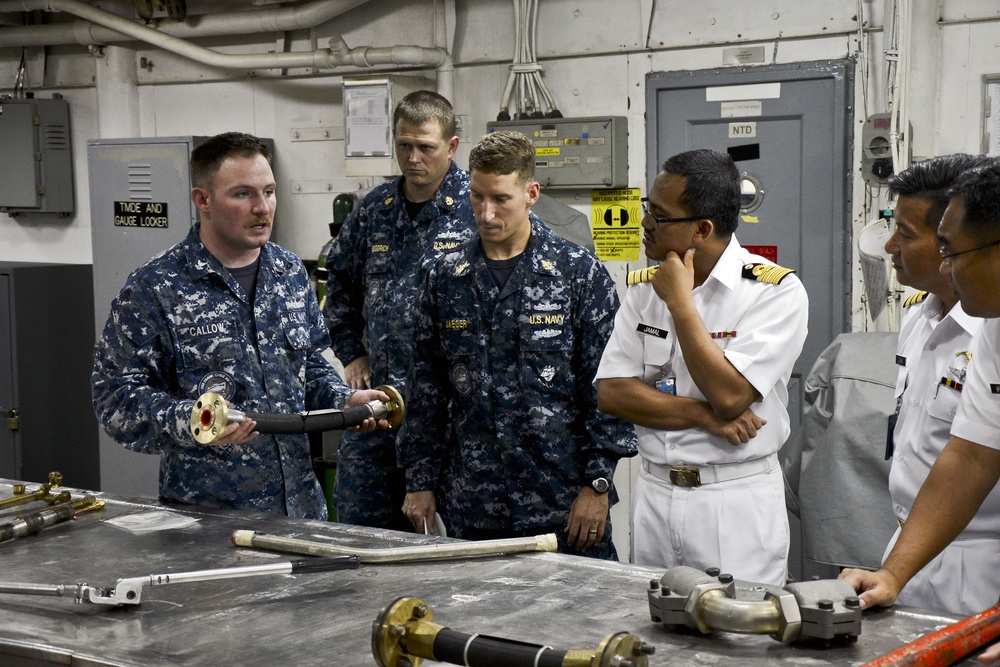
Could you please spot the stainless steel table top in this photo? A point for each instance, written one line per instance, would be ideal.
(326, 618)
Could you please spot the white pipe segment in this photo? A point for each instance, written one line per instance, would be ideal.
(116, 28)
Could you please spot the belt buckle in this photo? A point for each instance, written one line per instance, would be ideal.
(689, 477)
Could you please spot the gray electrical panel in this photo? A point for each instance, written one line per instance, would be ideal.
(36, 172)
(587, 152)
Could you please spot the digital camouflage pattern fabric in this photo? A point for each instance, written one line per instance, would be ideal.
(376, 270)
(182, 326)
(512, 371)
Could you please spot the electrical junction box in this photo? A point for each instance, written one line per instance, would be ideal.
(587, 152)
(876, 149)
(368, 107)
(36, 172)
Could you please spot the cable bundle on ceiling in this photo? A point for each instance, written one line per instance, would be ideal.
(525, 87)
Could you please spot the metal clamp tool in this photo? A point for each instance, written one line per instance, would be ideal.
(129, 591)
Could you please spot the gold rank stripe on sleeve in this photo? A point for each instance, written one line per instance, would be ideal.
(765, 273)
(640, 275)
(915, 299)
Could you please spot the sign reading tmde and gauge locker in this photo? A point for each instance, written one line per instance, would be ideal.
(141, 214)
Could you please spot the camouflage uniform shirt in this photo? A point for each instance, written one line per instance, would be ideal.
(182, 326)
(375, 271)
(516, 366)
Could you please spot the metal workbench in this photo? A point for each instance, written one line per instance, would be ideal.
(326, 618)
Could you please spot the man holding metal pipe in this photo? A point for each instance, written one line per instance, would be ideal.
(224, 310)
(969, 466)
(503, 435)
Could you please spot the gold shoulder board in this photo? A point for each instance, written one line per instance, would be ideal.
(915, 299)
(765, 273)
(640, 275)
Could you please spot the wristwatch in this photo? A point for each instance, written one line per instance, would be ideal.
(601, 485)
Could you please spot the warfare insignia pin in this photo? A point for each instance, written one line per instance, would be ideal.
(548, 373)
(460, 379)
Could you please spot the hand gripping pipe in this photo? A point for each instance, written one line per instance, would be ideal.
(211, 415)
(417, 552)
(403, 636)
(706, 601)
(946, 646)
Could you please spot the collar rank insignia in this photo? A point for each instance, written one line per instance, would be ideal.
(449, 201)
(640, 275)
(547, 265)
(765, 273)
(460, 269)
(388, 200)
(914, 299)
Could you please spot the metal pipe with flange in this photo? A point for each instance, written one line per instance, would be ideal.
(211, 414)
(404, 634)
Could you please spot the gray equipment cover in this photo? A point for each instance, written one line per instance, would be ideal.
(835, 467)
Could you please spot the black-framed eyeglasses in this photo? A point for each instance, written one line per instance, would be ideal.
(947, 256)
(662, 221)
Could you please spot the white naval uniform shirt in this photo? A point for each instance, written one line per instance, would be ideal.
(978, 417)
(930, 347)
(962, 579)
(761, 329)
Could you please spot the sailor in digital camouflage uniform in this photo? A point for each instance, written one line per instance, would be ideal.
(503, 436)
(700, 358)
(375, 271)
(933, 355)
(226, 311)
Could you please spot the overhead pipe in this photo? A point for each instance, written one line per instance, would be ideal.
(337, 55)
(207, 25)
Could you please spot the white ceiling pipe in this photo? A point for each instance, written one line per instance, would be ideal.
(207, 25)
(338, 54)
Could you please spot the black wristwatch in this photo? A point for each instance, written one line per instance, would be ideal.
(601, 485)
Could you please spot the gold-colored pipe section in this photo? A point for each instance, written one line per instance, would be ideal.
(42, 493)
(758, 617)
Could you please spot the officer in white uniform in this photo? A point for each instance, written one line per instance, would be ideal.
(933, 355)
(699, 360)
(969, 466)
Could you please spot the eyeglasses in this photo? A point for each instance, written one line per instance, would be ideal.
(946, 257)
(662, 221)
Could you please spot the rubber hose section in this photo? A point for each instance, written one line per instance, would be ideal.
(310, 423)
(481, 651)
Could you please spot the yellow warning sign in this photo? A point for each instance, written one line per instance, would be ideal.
(546, 151)
(615, 223)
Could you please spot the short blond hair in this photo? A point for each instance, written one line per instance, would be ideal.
(504, 152)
